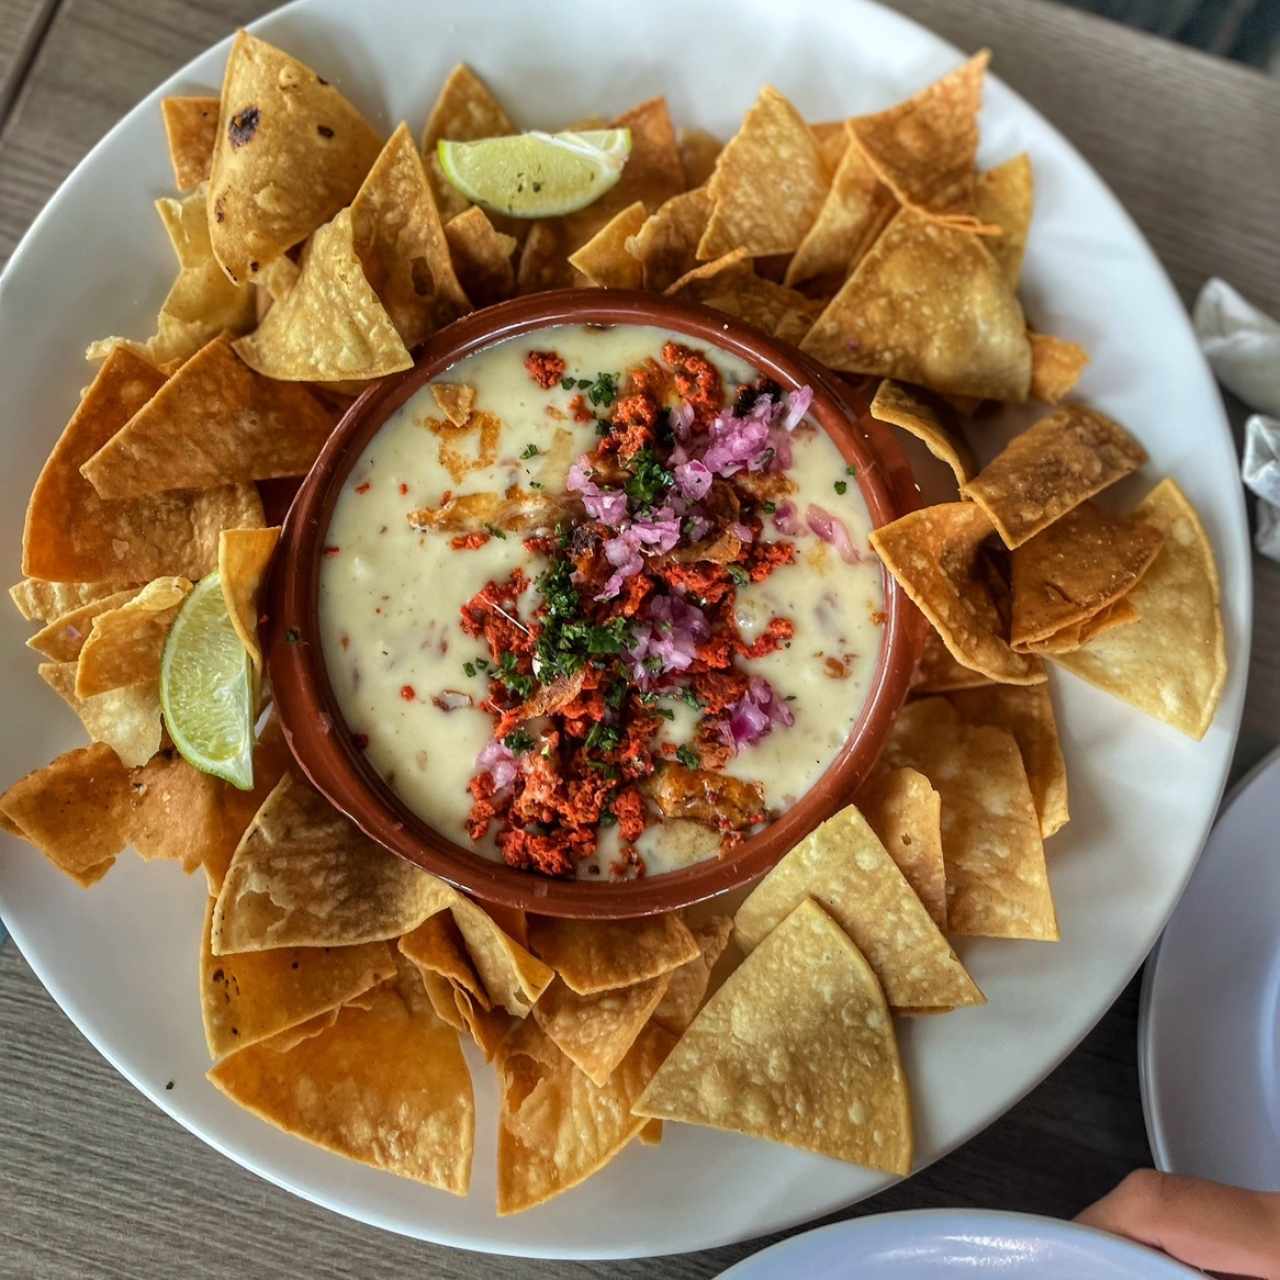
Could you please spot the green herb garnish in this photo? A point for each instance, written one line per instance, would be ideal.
(494, 532)
(566, 384)
(688, 757)
(519, 741)
(519, 683)
(649, 479)
(739, 575)
(687, 695)
(841, 486)
(604, 390)
(768, 507)
(851, 470)
(615, 695)
(530, 451)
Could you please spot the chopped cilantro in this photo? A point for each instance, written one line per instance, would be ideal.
(582, 384)
(739, 575)
(603, 426)
(564, 530)
(535, 484)
(567, 641)
(851, 470)
(647, 699)
(688, 695)
(607, 770)
(688, 757)
(768, 507)
(530, 451)
(604, 390)
(615, 695)
(649, 479)
(601, 738)
(519, 683)
(494, 532)
(519, 741)
(653, 664)
(665, 712)
(608, 818)
(470, 669)
(566, 384)
(841, 486)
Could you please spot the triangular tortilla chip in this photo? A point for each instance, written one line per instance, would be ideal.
(936, 554)
(797, 1047)
(666, 244)
(63, 638)
(125, 644)
(455, 400)
(1172, 662)
(939, 672)
(774, 151)
(244, 555)
(909, 410)
(845, 868)
(597, 955)
(437, 946)
(605, 260)
(290, 152)
(73, 535)
(190, 128)
(288, 1039)
(487, 1027)
(688, 986)
(174, 810)
(126, 719)
(928, 304)
(387, 1086)
(1056, 366)
(1004, 198)
(45, 602)
(544, 258)
(699, 151)
(481, 256)
(556, 1128)
(997, 882)
(905, 812)
(440, 992)
(1068, 639)
(729, 284)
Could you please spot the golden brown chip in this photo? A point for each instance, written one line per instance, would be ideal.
(1172, 662)
(290, 152)
(910, 410)
(774, 151)
(1004, 198)
(387, 1086)
(174, 810)
(1054, 466)
(63, 638)
(125, 644)
(597, 955)
(905, 812)
(556, 1127)
(1027, 713)
(924, 149)
(244, 555)
(937, 556)
(797, 1047)
(440, 992)
(928, 304)
(437, 946)
(126, 719)
(45, 602)
(487, 1027)
(285, 1040)
(1068, 639)
(666, 244)
(939, 672)
(190, 128)
(997, 882)
(481, 256)
(845, 869)
(73, 535)
(689, 983)
(455, 401)
(605, 259)
(544, 262)
(276, 280)
(832, 137)
(1074, 569)
(729, 284)
(331, 326)
(699, 151)
(1056, 366)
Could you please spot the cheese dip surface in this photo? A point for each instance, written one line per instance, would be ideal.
(600, 602)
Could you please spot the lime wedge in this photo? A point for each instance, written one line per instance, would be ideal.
(536, 175)
(207, 688)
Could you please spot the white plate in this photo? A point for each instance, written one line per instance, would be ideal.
(929, 1244)
(1209, 1033)
(121, 959)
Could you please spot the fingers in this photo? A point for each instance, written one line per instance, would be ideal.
(1202, 1223)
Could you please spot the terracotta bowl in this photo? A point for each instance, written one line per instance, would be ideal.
(313, 723)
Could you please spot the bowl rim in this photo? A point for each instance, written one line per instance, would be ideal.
(313, 724)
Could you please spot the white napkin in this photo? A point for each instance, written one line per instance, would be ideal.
(1243, 347)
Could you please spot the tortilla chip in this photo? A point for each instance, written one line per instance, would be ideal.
(543, 259)
(856, 209)
(437, 946)
(125, 644)
(1051, 468)
(905, 812)
(331, 327)
(797, 1047)
(846, 870)
(937, 556)
(729, 284)
(387, 1086)
(513, 977)
(1068, 639)
(285, 1040)
(688, 986)
(666, 244)
(699, 151)
(597, 955)
(651, 1134)
(556, 1127)
(455, 400)
(1004, 198)
(1056, 366)
(250, 997)
(1027, 713)
(487, 1027)
(481, 256)
(605, 260)
(190, 128)
(63, 638)
(127, 719)
(909, 410)
(303, 876)
(832, 137)
(73, 535)
(290, 152)
(45, 602)
(997, 882)
(928, 304)
(774, 151)
(924, 149)
(1075, 568)
(1172, 662)
(938, 672)
(440, 992)
(174, 810)
(244, 556)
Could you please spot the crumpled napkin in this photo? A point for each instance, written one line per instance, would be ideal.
(1243, 348)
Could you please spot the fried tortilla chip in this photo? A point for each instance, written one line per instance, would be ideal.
(250, 997)
(997, 882)
(1051, 468)
(190, 128)
(797, 1047)
(63, 638)
(125, 644)
(939, 672)
(455, 401)
(544, 259)
(1068, 639)
(928, 304)
(729, 284)
(1172, 662)
(605, 259)
(174, 810)
(556, 1127)
(73, 535)
(45, 602)
(846, 870)
(856, 209)
(1004, 198)
(387, 1086)
(909, 410)
(481, 256)
(1074, 569)
(666, 244)
(1056, 366)
(244, 556)
(688, 986)
(126, 719)
(331, 327)
(437, 946)
(774, 151)
(597, 955)
(905, 812)
(290, 152)
(936, 554)
(283, 1041)
(924, 149)
(1027, 713)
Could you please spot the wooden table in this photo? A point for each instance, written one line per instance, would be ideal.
(94, 1181)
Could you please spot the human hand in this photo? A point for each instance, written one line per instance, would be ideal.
(1205, 1224)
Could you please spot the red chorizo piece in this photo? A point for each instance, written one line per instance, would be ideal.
(697, 380)
(775, 635)
(545, 368)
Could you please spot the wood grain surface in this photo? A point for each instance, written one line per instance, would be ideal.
(94, 1181)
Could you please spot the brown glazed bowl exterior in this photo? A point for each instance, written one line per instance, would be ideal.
(313, 723)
